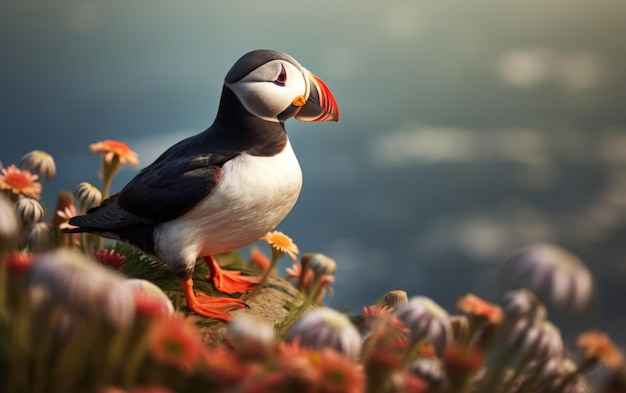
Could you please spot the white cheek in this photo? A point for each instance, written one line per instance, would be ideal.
(266, 99)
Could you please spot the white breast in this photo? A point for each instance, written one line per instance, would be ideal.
(252, 197)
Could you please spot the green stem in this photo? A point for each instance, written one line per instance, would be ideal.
(291, 318)
(521, 366)
(109, 169)
(582, 369)
(409, 353)
(276, 255)
(108, 172)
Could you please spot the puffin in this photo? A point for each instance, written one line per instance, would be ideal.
(224, 188)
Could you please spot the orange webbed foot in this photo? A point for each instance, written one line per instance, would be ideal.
(229, 281)
(208, 306)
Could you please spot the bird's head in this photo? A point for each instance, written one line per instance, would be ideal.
(273, 86)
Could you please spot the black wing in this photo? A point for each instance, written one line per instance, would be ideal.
(166, 190)
(169, 187)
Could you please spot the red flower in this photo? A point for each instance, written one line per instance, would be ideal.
(383, 360)
(148, 306)
(19, 261)
(109, 258)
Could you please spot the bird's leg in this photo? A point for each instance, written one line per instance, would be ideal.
(212, 307)
(228, 281)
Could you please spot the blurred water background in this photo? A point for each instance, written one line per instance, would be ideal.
(468, 128)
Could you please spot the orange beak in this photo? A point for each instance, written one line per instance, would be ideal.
(321, 104)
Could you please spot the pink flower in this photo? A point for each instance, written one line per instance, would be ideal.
(66, 214)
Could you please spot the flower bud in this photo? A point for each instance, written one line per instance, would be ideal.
(393, 299)
(426, 320)
(551, 272)
(326, 328)
(29, 210)
(539, 340)
(83, 288)
(251, 335)
(40, 163)
(522, 303)
(38, 237)
(88, 195)
(322, 265)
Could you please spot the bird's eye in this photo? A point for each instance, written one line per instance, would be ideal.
(282, 77)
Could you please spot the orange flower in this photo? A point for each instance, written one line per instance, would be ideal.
(426, 350)
(282, 243)
(599, 346)
(292, 349)
(177, 343)
(461, 358)
(111, 148)
(338, 373)
(224, 367)
(20, 182)
(473, 305)
(298, 366)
